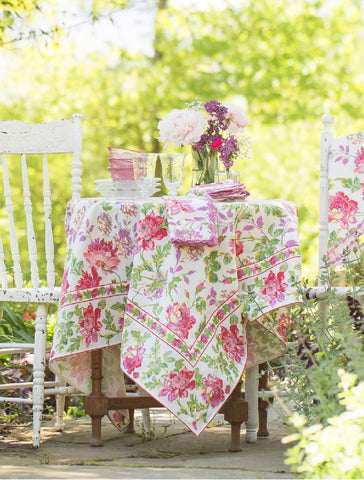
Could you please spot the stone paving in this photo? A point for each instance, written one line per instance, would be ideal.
(171, 452)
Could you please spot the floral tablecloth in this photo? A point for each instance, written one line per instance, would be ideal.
(346, 196)
(182, 321)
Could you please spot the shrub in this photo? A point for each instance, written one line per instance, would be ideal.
(337, 450)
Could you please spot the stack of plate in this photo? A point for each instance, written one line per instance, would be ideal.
(112, 189)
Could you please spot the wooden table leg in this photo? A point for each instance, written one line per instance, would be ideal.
(96, 404)
(235, 412)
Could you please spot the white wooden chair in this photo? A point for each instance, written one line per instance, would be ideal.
(26, 139)
(341, 204)
(341, 223)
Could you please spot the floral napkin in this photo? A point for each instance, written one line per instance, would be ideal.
(226, 190)
(192, 221)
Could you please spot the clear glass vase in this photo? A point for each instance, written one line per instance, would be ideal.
(227, 173)
(204, 166)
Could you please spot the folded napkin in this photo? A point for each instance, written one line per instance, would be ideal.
(192, 221)
(226, 190)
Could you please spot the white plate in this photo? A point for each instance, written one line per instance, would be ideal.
(123, 189)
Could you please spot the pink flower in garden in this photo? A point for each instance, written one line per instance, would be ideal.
(216, 144)
(283, 327)
(274, 288)
(359, 161)
(180, 320)
(237, 117)
(133, 358)
(101, 254)
(90, 324)
(234, 345)
(177, 384)
(213, 393)
(150, 230)
(342, 210)
(89, 280)
(181, 127)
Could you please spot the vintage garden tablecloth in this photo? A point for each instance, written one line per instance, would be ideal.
(182, 321)
(346, 197)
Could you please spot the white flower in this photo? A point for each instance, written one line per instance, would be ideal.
(236, 115)
(181, 127)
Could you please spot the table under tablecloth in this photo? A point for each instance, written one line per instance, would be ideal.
(182, 321)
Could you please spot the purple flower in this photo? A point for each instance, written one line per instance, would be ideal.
(356, 313)
(305, 352)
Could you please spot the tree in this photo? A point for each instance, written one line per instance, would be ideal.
(283, 60)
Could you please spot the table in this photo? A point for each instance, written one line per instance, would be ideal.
(182, 322)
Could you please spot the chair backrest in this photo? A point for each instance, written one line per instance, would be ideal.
(341, 195)
(23, 139)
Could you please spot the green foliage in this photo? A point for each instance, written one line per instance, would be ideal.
(328, 339)
(14, 327)
(337, 450)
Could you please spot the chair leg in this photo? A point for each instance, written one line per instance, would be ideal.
(60, 402)
(146, 420)
(251, 395)
(40, 343)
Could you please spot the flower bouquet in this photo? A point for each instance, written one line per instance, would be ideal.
(215, 132)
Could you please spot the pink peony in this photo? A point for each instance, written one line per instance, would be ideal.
(359, 161)
(177, 384)
(234, 344)
(90, 324)
(180, 320)
(274, 288)
(236, 115)
(181, 127)
(342, 209)
(213, 393)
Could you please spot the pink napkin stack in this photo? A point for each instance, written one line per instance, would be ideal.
(226, 190)
(121, 163)
(192, 221)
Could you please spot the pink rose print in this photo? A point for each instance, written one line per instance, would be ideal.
(133, 358)
(117, 419)
(239, 245)
(342, 210)
(180, 320)
(89, 280)
(177, 384)
(283, 327)
(101, 254)
(233, 343)
(274, 288)
(150, 230)
(65, 283)
(213, 392)
(80, 369)
(90, 324)
(359, 161)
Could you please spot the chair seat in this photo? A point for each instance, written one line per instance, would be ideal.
(321, 292)
(42, 295)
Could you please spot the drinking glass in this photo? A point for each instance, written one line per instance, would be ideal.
(172, 170)
(144, 172)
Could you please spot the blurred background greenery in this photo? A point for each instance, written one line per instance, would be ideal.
(125, 64)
